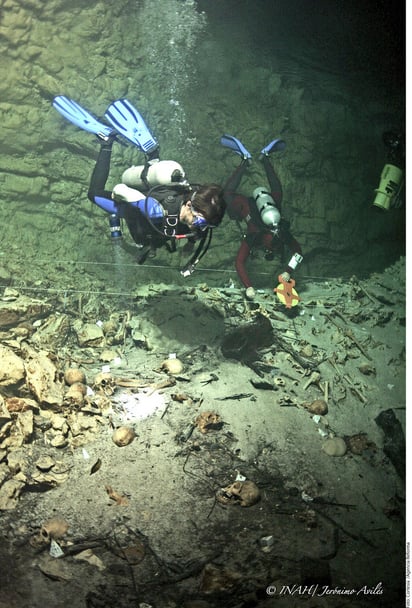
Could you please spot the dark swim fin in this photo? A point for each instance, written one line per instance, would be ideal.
(236, 145)
(80, 117)
(276, 145)
(129, 123)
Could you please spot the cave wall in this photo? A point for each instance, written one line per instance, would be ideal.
(192, 84)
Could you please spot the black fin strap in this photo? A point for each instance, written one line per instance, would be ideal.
(143, 175)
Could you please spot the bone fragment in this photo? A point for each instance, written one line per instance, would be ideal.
(313, 379)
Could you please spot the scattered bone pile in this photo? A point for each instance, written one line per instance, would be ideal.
(269, 407)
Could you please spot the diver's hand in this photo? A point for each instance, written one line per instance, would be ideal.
(123, 193)
(120, 193)
(250, 293)
(285, 276)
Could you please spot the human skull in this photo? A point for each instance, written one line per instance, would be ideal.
(207, 421)
(105, 383)
(76, 393)
(243, 493)
(50, 530)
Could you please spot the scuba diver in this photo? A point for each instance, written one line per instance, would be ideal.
(155, 199)
(265, 228)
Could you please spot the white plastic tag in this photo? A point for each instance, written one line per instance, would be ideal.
(295, 260)
(55, 549)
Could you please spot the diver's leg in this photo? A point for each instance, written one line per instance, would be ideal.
(234, 180)
(101, 173)
(274, 182)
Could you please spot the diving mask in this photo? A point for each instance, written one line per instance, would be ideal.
(199, 222)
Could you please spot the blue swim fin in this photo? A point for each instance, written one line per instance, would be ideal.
(276, 145)
(80, 117)
(235, 144)
(129, 123)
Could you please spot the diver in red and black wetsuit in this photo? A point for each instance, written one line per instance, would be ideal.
(265, 228)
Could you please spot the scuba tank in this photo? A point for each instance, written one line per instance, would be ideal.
(268, 212)
(391, 181)
(389, 186)
(154, 173)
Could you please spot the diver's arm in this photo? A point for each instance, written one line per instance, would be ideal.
(148, 205)
(242, 255)
(296, 258)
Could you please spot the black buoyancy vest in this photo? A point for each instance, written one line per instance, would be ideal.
(143, 230)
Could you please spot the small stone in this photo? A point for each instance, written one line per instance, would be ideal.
(172, 366)
(318, 407)
(307, 351)
(123, 436)
(45, 463)
(73, 375)
(58, 441)
(334, 446)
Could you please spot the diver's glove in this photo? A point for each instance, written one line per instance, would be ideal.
(250, 293)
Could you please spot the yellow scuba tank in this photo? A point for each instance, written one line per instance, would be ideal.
(389, 186)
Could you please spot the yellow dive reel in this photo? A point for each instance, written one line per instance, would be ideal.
(286, 292)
